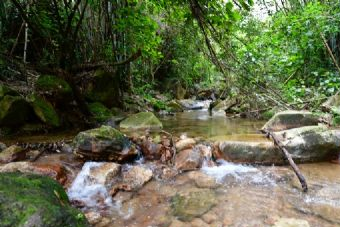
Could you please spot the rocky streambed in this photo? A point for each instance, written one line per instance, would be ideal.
(201, 171)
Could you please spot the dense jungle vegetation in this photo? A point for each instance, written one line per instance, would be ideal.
(91, 57)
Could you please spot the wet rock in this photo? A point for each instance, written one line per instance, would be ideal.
(52, 170)
(36, 201)
(189, 104)
(93, 217)
(188, 204)
(14, 111)
(142, 120)
(133, 179)
(188, 160)
(203, 180)
(151, 150)
(44, 110)
(184, 144)
(327, 212)
(291, 222)
(197, 222)
(12, 154)
(290, 119)
(104, 143)
(175, 106)
(305, 144)
(223, 105)
(105, 173)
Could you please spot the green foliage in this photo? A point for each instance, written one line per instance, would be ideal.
(100, 112)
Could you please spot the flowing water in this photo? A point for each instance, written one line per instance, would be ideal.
(245, 196)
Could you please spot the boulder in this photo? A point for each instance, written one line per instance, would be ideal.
(36, 201)
(291, 222)
(189, 104)
(12, 154)
(44, 110)
(104, 174)
(290, 119)
(100, 112)
(222, 105)
(136, 177)
(190, 159)
(52, 170)
(188, 204)
(186, 143)
(14, 111)
(174, 106)
(104, 143)
(305, 144)
(55, 88)
(142, 120)
(4, 90)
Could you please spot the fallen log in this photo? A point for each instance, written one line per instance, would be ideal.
(296, 169)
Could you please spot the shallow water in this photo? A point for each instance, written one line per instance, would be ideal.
(202, 124)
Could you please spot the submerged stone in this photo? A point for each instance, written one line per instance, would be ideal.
(188, 204)
(28, 200)
(104, 143)
(142, 120)
(290, 119)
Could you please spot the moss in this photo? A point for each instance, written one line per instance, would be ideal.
(100, 112)
(336, 121)
(38, 200)
(4, 90)
(44, 110)
(268, 114)
(47, 83)
(14, 111)
(142, 120)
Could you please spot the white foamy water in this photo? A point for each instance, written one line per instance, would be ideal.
(243, 173)
(86, 190)
(227, 168)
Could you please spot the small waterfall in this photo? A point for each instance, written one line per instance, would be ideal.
(87, 191)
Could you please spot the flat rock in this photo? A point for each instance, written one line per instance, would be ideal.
(142, 120)
(290, 119)
(135, 178)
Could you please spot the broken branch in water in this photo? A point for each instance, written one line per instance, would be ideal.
(296, 169)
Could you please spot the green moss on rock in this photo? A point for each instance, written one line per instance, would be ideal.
(53, 84)
(14, 111)
(100, 112)
(142, 120)
(4, 90)
(28, 200)
(44, 110)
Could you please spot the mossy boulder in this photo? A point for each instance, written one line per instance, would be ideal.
(104, 144)
(4, 90)
(14, 111)
(54, 87)
(142, 120)
(28, 200)
(100, 112)
(103, 88)
(44, 110)
(192, 203)
(175, 106)
(290, 119)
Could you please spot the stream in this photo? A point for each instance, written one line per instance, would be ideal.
(239, 195)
